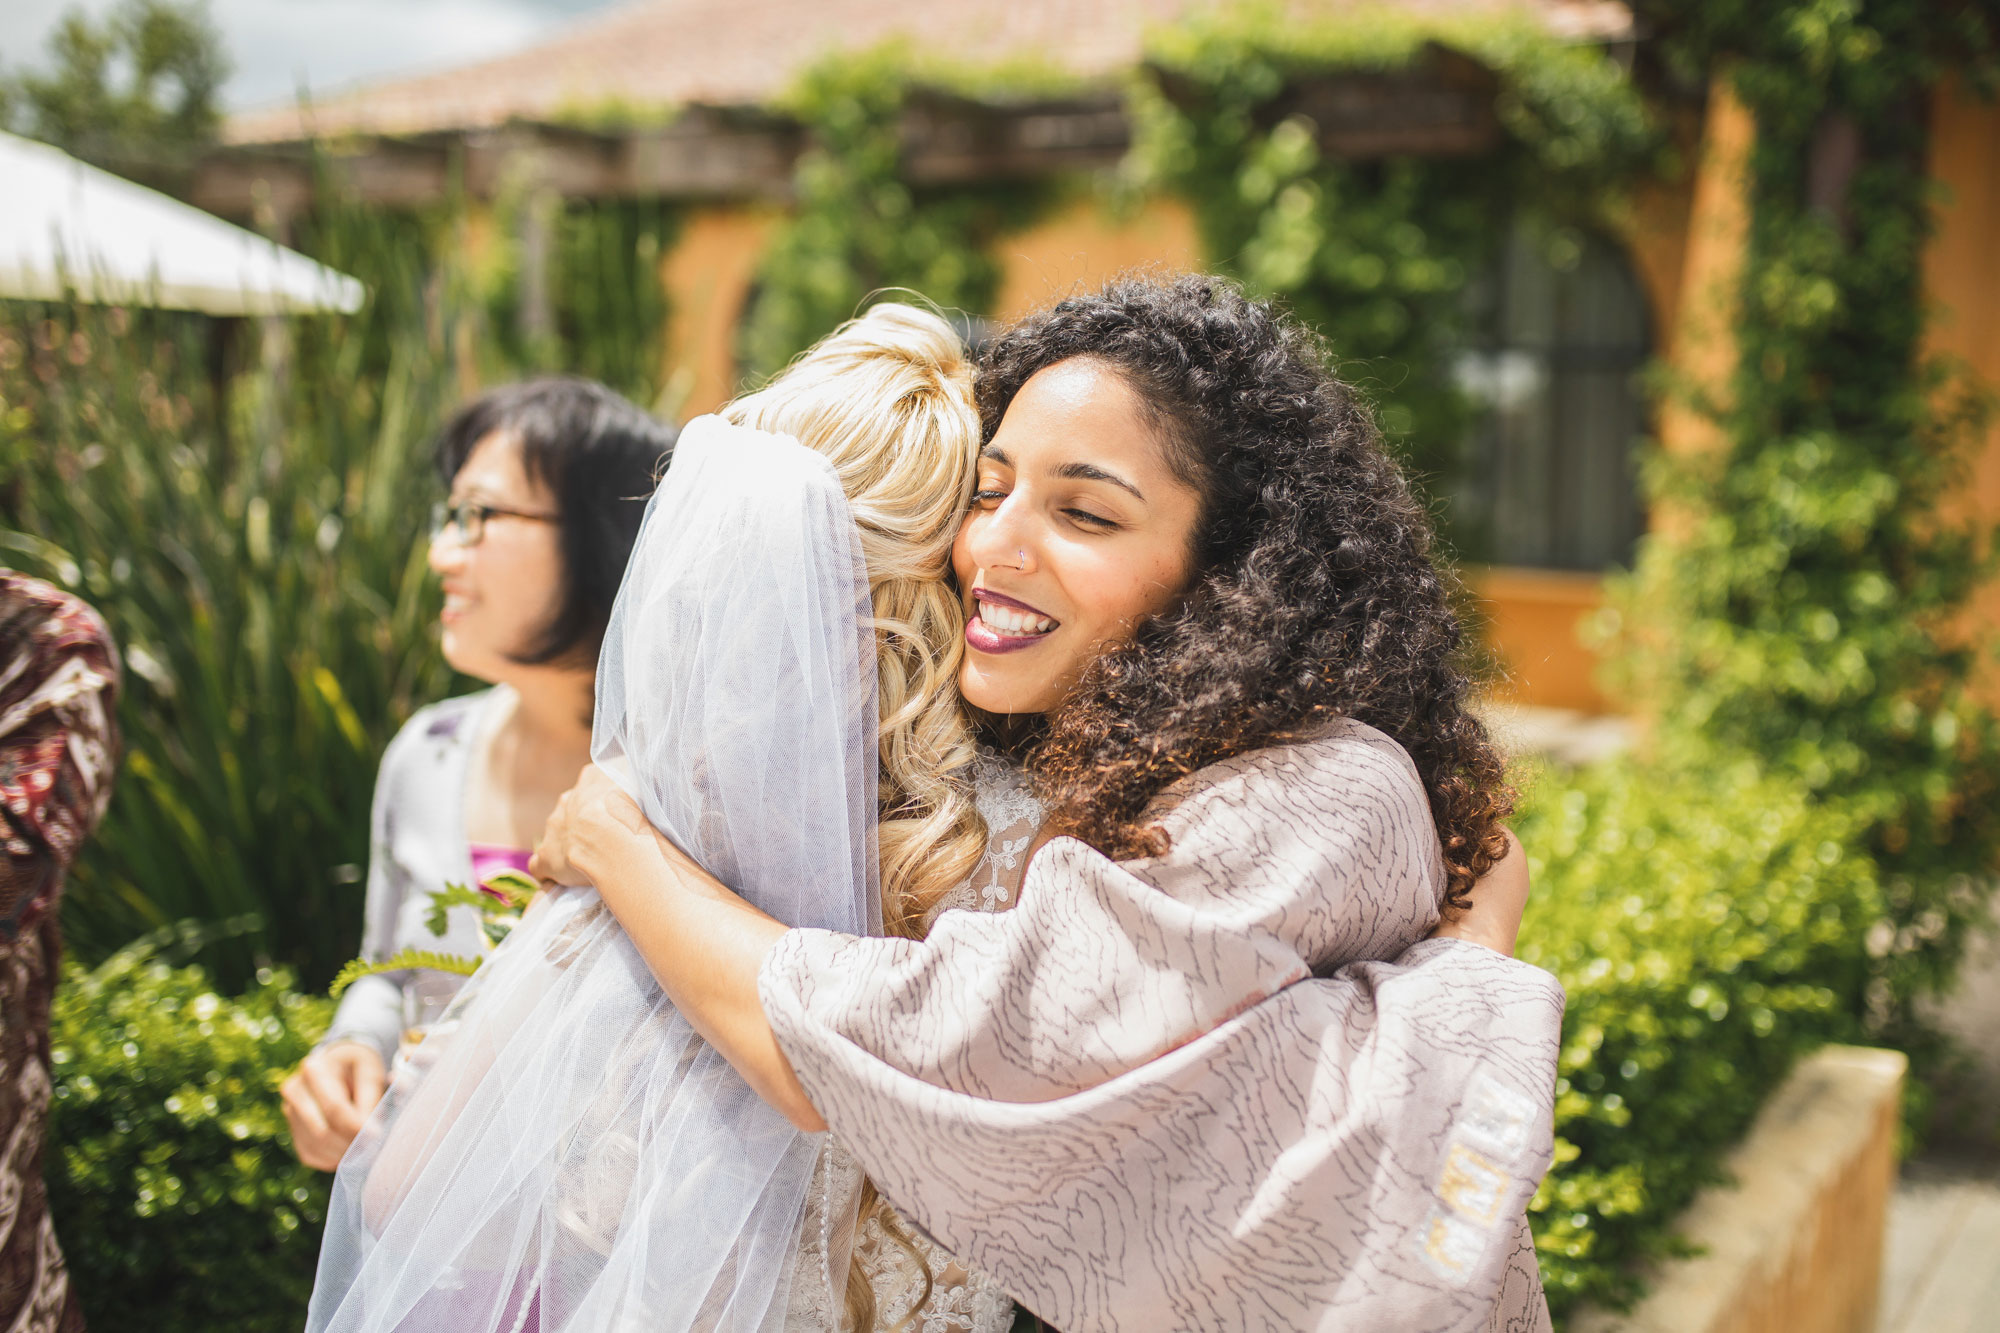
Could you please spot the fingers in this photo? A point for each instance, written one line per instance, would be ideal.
(315, 1144)
(546, 864)
(325, 1082)
(301, 1108)
(366, 1077)
(549, 864)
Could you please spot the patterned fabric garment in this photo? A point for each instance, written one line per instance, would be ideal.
(1188, 1094)
(58, 750)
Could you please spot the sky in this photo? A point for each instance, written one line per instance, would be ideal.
(275, 45)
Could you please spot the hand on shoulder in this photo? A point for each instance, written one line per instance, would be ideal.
(588, 824)
(1498, 901)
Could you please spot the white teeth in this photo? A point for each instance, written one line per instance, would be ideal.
(1008, 620)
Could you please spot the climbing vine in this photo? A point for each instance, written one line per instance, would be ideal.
(607, 300)
(858, 227)
(1379, 254)
(1802, 628)
(1811, 610)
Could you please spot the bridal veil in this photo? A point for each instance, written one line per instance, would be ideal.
(563, 1152)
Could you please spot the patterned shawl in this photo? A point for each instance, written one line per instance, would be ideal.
(58, 739)
(1173, 1093)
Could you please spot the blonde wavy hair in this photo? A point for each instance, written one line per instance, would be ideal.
(887, 398)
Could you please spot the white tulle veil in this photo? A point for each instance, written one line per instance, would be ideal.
(565, 1154)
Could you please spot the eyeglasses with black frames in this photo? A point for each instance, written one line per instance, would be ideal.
(468, 519)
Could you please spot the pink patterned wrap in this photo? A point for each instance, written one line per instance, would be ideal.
(1176, 1093)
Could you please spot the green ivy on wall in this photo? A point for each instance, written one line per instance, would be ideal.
(857, 227)
(1808, 615)
(1801, 633)
(606, 295)
(1378, 254)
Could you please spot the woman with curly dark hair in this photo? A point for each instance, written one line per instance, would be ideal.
(1308, 590)
(1237, 1055)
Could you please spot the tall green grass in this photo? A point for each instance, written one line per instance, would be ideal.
(260, 561)
(258, 550)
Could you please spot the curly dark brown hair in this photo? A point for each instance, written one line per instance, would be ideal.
(1316, 592)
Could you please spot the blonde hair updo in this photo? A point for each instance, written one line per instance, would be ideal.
(887, 398)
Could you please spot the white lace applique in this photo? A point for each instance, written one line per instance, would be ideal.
(962, 1299)
(1013, 816)
(817, 1302)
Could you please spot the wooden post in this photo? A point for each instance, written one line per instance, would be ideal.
(536, 316)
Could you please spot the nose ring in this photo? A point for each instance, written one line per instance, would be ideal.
(1020, 556)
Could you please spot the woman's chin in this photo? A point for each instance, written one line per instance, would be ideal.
(993, 688)
(464, 658)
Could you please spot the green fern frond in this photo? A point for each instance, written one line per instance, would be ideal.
(402, 960)
(450, 896)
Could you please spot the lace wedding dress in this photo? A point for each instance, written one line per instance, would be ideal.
(960, 1298)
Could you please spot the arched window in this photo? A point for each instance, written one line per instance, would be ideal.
(1550, 478)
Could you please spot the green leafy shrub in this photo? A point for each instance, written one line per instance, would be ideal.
(1709, 925)
(171, 1177)
(1810, 610)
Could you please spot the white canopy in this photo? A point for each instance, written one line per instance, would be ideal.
(67, 225)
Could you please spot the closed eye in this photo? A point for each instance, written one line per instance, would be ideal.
(1096, 520)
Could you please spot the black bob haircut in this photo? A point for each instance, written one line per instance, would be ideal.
(598, 454)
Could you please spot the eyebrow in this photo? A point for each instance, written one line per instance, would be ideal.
(1072, 471)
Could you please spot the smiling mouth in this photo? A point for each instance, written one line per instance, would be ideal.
(1003, 625)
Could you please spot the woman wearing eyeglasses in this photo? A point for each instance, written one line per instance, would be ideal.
(548, 483)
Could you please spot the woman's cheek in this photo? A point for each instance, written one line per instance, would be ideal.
(1129, 602)
(532, 573)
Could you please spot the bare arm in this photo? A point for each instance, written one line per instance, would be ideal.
(703, 943)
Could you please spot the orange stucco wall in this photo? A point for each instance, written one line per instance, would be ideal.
(1962, 281)
(1701, 348)
(708, 275)
(1530, 616)
(1682, 237)
(1533, 624)
(1686, 240)
(1083, 245)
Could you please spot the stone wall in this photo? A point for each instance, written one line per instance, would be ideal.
(1794, 1243)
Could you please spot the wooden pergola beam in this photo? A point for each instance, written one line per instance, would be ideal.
(1441, 106)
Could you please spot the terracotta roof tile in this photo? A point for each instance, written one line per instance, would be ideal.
(742, 52)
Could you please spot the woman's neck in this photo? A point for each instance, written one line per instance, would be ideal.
(550, 721)
(530, 758)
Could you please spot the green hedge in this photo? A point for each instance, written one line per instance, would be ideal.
(1709, 926)
(176, 1196)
